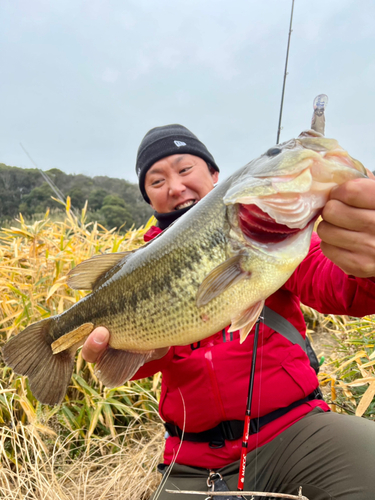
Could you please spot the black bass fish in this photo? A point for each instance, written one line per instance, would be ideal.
(213, 267)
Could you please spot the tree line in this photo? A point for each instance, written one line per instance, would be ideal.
(112, 202)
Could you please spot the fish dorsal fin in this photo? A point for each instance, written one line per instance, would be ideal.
(219, 279)
(246, 320)
(89, 273)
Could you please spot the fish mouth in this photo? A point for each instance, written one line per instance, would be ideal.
(262, 228)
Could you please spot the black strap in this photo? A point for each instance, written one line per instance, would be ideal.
(281, 325)
(233, 429)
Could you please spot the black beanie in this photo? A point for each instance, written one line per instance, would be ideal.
(160, 142)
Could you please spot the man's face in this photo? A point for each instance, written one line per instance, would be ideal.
(178, 181)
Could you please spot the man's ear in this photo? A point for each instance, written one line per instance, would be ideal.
(215, 175)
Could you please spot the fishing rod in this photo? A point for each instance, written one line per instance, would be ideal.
(285, 75)
(246, 432)
(317, 124)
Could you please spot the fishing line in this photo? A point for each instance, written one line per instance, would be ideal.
(175, 455)
(54, 188)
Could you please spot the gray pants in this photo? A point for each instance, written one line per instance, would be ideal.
(331, 456)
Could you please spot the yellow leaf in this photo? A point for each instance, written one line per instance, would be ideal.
(44, 429)
(60, 307)
(53, 289)
(151, 222)
(28, 409)
(84, 211)
(360, 354)
(370, 363)
(68, 204)
(366, 400)
(94, 421)
(360, 381)
(79, 362)
(333, 395)
(3, 391)
(347, 392)
(155, 381)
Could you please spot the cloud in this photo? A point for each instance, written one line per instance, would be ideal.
(110, 75)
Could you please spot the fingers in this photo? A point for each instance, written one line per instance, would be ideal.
(338, 213)
(95, 344)
(348, 227)
(357, 264)
(358, 193)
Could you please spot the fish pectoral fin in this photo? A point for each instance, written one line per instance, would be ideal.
(219, 279)
(74, 338)
(89, 274)
(246, 320)
(116, 366)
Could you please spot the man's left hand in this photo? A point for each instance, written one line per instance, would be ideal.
(348, 227)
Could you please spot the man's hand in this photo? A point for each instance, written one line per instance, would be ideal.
(348, 227)
(97, 343)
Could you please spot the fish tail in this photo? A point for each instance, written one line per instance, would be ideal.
(30, 353)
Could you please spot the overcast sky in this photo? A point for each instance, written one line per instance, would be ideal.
(81, 82)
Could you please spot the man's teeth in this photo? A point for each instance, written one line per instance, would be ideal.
(186, 204)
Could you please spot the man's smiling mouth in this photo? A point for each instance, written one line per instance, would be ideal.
(185, 204)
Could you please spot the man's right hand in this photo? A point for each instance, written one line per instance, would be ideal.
(95, 345)
(97, 342)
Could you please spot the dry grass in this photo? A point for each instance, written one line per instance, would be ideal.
(348, 374)
(106, 471)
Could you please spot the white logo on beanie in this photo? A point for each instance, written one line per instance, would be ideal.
(179, 143)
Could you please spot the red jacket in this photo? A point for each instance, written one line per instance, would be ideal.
(207, 383)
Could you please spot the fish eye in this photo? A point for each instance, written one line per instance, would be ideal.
(273, 151)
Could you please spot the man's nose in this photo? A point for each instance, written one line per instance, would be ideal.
(176, 187)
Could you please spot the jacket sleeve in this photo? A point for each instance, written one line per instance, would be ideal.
(149, 369)
(322, 285)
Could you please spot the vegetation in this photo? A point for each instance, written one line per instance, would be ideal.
(349, 373)
(112, 202)
(104, 443)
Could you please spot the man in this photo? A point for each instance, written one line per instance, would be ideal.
(298, 442)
